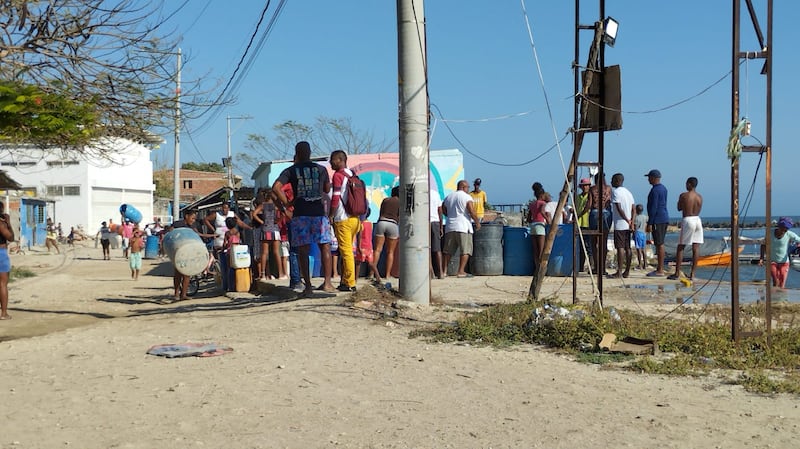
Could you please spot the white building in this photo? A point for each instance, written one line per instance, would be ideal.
(79, 190)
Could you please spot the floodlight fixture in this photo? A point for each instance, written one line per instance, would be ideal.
(610, 28)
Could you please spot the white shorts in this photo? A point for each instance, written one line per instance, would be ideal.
(691, 231)
(285, 248)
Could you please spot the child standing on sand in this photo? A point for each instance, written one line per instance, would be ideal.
(640, 237)
(136, 245)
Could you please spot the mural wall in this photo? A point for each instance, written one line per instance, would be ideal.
(380, 172)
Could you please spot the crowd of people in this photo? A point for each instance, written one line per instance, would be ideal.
(306, 207)
(601, 208)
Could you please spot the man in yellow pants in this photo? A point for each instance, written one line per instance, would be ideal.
(345, 226)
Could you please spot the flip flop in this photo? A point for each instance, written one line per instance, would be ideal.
(464, 276)
(655, 274)
(673, 277)
(7, 317)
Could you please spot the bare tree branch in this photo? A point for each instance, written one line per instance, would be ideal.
(325, 135)
(111, 57)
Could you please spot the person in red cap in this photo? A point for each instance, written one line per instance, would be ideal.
(478, 198)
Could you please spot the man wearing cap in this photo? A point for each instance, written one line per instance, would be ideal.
(478, 198)
(599, 208)
(658, 217)
(689, 203)
(582, 218)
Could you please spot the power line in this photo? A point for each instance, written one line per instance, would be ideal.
(467, 150)
(490, 119)
(651, 111)
(235, 80)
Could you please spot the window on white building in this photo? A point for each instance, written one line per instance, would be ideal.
(61, 163)
(63, 190)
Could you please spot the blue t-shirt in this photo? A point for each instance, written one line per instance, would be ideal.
(780, 246)
(657, 205)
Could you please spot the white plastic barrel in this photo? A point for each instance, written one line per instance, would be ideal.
(186, 250)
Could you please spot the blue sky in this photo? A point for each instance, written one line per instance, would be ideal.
(339, 59)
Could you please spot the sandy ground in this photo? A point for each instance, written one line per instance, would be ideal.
(322, 373)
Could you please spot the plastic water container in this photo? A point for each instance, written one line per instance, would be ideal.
(151, 247)
(130, 213)
(517, 252)
(314, 261)
(487, 250)
(186, 250)
(561, 257)
(240, 256)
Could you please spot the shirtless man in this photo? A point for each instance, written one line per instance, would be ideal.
(689, 203)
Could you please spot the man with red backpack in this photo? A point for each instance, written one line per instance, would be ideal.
(349, 197)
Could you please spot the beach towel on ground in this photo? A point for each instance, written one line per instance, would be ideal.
(189, 349)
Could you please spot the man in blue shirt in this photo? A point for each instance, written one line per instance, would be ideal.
(658, 217)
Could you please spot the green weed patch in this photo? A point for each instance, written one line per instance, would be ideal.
(694, 341)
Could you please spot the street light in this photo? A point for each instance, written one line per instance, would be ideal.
(230, 165)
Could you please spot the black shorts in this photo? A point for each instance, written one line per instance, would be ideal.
(659, 233)
(436, 238)
(622, 239)
(105, 242)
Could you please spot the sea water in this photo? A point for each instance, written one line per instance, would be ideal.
(753, 278)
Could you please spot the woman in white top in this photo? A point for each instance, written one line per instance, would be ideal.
(216, 221)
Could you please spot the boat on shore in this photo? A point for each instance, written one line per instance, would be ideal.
(721, 258)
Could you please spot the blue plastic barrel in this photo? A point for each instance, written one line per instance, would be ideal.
(130, 213)
(186, 250)
(151, 247)
(561, 257)
(315, 261)
(517, 252)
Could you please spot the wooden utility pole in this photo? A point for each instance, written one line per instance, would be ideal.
(593, 71)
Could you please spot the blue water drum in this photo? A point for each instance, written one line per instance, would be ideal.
(186, 250)
(561, 255)
(151, 247)
(487, 250)
(130, 213)
(517, 252)
(314, 261)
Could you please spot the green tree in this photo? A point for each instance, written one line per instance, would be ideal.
(325, 135)
(73, 71)
(203, 166)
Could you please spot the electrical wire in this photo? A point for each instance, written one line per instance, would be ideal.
(194, 145)
(481, 158)
(489, 119)
(236, 78)
(651, 111)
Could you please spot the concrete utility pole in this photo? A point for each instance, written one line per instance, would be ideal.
(414, 152)
(176, 175)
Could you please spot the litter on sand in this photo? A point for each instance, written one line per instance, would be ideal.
(189, 350)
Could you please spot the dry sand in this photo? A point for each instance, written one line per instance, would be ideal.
(321, 373)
